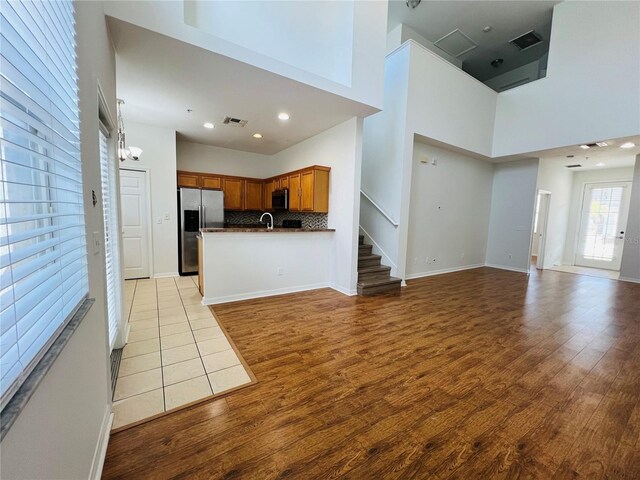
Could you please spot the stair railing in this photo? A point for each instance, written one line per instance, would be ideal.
(380, 209)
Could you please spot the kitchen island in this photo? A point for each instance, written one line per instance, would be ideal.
(243, 263)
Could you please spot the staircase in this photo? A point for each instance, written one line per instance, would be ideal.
(373, 277)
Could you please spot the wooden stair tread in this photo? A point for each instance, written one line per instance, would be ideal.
(378, 282)
(374, 269)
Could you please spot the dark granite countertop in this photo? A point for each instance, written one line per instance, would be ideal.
(264, 230)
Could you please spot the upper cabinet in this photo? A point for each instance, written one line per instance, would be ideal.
(213, 182)
(233, 189)
(308, 189)
(189, 179)
(253, 197)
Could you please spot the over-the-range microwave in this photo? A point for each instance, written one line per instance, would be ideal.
(280, 199)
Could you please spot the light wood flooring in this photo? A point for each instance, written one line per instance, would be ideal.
(472, 375)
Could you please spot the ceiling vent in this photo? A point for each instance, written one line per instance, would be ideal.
(455, 43)
(236, 122)
(528, 40)
(575, 165)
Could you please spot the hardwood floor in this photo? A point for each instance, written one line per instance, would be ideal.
(477, 374)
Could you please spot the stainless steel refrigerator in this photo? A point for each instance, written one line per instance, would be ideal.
(198, 209)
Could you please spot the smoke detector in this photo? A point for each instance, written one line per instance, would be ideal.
(235, 122)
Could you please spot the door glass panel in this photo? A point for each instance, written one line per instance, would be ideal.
(602, 223)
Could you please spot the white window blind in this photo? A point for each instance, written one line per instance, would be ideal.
(111, 245)
(43, 258)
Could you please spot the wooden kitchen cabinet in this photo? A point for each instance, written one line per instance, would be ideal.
(294, 192)
(253, 196)
(269, 187)
(233, 189)
(308, 189)
(190, 180)
(211, 182)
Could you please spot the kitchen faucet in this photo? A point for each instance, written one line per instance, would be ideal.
(269, 225)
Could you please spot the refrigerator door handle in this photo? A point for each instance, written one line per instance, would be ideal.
(204, 217)
(200, 215)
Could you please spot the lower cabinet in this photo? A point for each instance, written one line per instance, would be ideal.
(200, 269)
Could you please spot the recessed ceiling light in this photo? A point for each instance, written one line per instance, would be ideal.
(283, 116)
(602, 144)
(599, 164)
(585, 147)
(488, 28)
(209, 125)
(257, 135)
(628, 145)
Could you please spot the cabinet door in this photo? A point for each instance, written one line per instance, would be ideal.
(307, 190)
(186, 179)
(284, 182)
(268, 190)
(233, 193)
(294, 192)
(253, 195)
(211, 182)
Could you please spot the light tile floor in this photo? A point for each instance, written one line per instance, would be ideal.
(176, 351)
(592, 272)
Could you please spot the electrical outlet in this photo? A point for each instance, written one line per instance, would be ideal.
(280, 271)
(434, 260)
(158, 220)
(415, 260)
(462, 256)
(510, 256)
(166, 216)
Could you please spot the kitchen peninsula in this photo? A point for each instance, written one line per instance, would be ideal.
(242, 263)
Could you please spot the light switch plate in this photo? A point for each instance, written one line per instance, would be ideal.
(96, 243)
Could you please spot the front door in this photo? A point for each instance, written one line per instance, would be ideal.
(605, 207)
(135, 226)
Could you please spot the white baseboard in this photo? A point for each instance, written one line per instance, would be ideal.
(443, 271)
(263, 293)
(344, 291)
(166, 275)
(629, 279)
(101, 447)
(504, 267)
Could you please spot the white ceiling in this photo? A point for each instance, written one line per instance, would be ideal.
(159, 78)
(612, 156)
(508, 19)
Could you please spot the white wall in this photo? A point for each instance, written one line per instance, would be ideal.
(384, 136)
(554, 177)
(62, 429)
(512, 209)
(238, 266)
(630, 268)
(448, 105)
(449, 211)
(196, 157)
(368, 44)
(580, 179)
(591, 89)
(402, 33)
(159, 157)
(324, 46)
(340, 148)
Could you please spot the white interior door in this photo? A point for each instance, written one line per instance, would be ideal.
(542, 221)
(605, 208)
(135, 223)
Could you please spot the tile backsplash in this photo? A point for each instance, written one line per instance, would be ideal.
(309, 220)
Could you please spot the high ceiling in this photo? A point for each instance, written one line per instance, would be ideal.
(611, 156)
(159, 78)
(507, 19)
